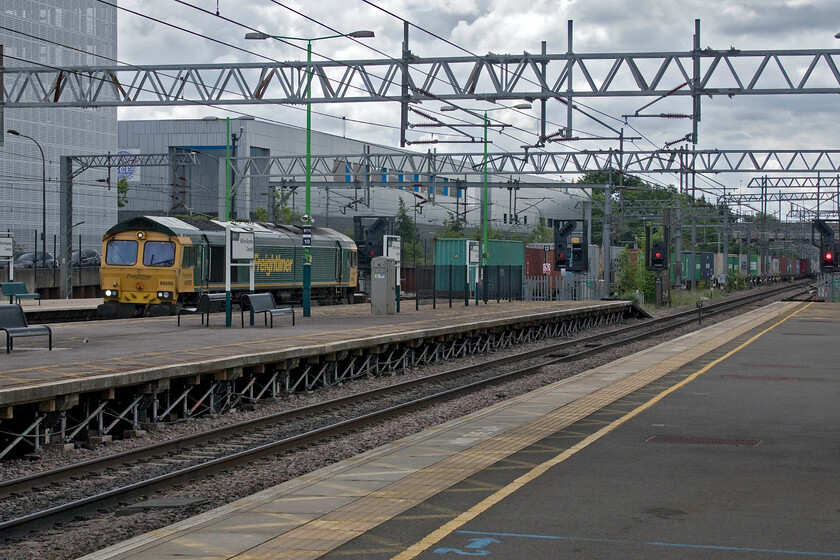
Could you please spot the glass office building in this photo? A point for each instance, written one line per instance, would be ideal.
(57, 33)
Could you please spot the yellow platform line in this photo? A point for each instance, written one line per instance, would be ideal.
(414, 550)
(315, 538)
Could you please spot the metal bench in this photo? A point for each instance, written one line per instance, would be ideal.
(17, 291)
(13, 321)
(207, 304)
(263, 303)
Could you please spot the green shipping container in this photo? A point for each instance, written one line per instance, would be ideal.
(456, 252)
(499, 252)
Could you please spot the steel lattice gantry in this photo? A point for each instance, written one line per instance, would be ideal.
(68, 173)
(738, 199)
(493, 76)
(551, 163)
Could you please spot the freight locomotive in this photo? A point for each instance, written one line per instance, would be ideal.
(152, 265)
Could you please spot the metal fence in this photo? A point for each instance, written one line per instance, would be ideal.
(828, 287)
(557, 288)
(449, 285)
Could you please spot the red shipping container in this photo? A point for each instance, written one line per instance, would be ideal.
(539, 260)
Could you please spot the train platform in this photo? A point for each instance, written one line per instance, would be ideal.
(59, 310)
(721, 443)
(147, 355)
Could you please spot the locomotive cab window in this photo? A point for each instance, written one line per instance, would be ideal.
(121, 253)
(188, 261)
(159, 253)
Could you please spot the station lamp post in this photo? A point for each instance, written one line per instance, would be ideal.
(484, 165)
(307, 218)
(43, 199)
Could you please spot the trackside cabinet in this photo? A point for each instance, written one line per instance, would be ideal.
(383, 286)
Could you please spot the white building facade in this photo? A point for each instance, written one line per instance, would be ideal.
(58, 33)
(336, 197)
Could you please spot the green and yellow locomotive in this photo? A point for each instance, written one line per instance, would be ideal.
(154, 264)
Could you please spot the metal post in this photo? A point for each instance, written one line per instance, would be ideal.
(227, 274)
(678, 272)
(65, 206)
(404, 85)
(227, 172)
(693, 263)
(307, 254)
(606, 233)
(484, 200)
(749, 251)
(725, 237)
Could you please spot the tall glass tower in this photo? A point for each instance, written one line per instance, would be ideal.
(58, 33)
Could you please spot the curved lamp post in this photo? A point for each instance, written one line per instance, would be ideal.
(307, 218)
(43, 195)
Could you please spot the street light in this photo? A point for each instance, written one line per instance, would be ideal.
(307, 218)
(43, 195)
(484, 193)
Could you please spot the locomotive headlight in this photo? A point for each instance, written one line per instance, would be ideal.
(163, 295)
(111, 293)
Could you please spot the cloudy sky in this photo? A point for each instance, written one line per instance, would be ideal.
(474, 27)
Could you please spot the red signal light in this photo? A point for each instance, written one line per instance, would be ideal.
(658, 255)
(829, 256)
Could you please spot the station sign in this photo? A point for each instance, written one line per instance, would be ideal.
(7, 247)
(307, 235)
(242, 245)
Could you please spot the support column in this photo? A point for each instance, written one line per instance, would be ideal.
(65, 202)
(678, 272)
(693, 264)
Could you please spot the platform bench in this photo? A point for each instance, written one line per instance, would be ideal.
(207, 304)
(17, 291)
(13, 321)
(263, 303)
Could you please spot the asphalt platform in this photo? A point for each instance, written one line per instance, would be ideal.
(99, 355)
(724, 443)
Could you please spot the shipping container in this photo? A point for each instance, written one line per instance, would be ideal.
(457, 262)
(539, 260)
(779, 266)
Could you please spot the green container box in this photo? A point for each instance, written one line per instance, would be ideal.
(456, 253)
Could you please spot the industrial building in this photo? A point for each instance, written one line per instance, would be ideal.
(66, 33)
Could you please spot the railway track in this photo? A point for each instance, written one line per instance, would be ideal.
(108, 481)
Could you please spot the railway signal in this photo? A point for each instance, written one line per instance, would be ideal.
(658, 255)
(829, 257)
(562, 250)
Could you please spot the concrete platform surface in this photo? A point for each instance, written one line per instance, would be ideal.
(719, 444)
(89, 356)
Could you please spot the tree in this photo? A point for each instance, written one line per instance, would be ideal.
(282, 213)
(541, 234)
(261, 214)
(411, 248)
(122, 192)
(633, 278)
(405, 226)
(452, 227)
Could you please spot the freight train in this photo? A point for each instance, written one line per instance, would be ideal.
(152, 265)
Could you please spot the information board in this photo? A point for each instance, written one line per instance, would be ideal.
(242, 245)
(7, 247)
